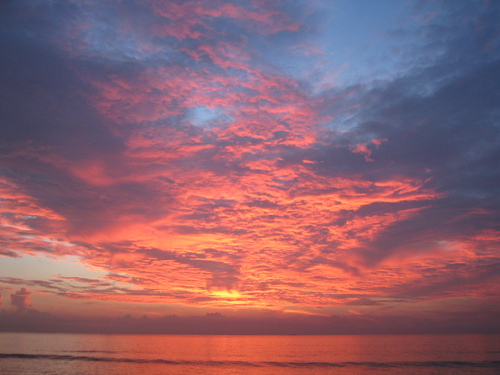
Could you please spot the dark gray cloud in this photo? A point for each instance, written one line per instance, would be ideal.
(44, 100)
(439, 123)
(21, 300)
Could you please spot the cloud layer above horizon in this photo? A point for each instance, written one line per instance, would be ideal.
(289, 155)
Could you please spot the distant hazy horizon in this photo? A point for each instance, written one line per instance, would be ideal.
(218, 324)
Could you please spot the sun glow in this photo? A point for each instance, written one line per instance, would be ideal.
(229, 294)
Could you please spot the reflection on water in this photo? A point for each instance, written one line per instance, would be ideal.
(170, 354)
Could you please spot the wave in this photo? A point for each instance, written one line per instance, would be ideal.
(441, 364)
(89, 351)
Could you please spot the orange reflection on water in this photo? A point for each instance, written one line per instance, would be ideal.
(251, 355)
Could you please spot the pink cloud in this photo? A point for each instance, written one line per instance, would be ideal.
(190, 16)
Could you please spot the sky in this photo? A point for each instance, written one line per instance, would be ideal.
(250, 166)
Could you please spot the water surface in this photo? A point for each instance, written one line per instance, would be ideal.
(64, 354)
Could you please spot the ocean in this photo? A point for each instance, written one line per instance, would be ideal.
(91, 354)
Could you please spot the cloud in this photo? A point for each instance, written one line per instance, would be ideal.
(20, 299)
(169, 147)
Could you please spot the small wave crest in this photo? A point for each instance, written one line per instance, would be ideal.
(436, 364)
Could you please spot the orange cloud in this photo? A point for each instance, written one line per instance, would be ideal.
(204, 174)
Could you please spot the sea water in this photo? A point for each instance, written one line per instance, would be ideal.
(86, 354)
